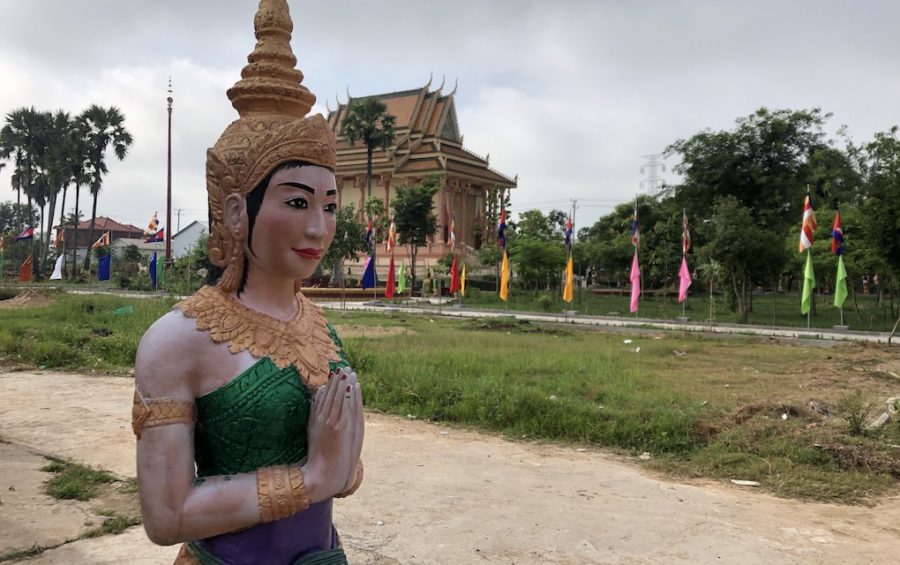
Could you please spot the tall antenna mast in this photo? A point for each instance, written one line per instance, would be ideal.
(652, 183)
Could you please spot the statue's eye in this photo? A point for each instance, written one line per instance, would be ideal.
(299, 203)
(331, 208)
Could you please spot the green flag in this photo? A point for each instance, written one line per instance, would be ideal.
(840, 287)
(160, 269)
(401, 280)
(809, 282)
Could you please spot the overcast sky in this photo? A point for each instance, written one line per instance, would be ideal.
(568, 95)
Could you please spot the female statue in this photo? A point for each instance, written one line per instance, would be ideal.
(248, 417)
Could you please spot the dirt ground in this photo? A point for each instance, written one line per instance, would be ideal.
(27, 299)
(436, 494)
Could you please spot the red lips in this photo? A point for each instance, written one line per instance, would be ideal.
(309, 253)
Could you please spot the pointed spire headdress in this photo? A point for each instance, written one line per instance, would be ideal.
(273, 129)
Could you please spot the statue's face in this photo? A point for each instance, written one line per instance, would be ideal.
(295, 224)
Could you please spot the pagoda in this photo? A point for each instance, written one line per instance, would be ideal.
(427, 142)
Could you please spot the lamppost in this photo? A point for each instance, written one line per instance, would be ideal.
(169, 183)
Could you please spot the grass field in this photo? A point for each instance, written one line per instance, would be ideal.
(769, 309)
(702, 406)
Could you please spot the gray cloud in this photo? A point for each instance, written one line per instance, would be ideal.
(569, 95)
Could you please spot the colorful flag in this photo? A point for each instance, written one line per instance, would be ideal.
(501, 230)
(389, 285)
(635, 230)
(27, 233)
(25, 270)
(462, 281)
(504, 274)
(401, 279)
(840, 286)
(809, 283)
(570, 228)
(454, 276)
(809, 225)
(160, 235)
(369, 278)
(151, 267)
(57, 269)
(153, 225)
(392, 236)
(570, 280)
(685, 280)
(837, 236)
(452, 235)
(102, 242)
(635, 277)
(685, 235)
(103, 268)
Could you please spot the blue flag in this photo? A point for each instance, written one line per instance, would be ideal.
(369, 278)
(152, 268)
(103, 268)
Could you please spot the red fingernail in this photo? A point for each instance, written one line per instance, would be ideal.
(348, 388)
(343, 377)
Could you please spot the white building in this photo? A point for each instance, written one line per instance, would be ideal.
(186, 239)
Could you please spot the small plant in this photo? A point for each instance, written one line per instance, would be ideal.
(546, 302)
(856, 411)
(72, 481)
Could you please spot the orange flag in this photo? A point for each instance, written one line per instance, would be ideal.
(25, 271)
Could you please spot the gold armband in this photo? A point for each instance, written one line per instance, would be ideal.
(152, 412)
(356, 482)
(281, 492)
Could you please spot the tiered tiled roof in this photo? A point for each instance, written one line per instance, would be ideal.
(427, 140)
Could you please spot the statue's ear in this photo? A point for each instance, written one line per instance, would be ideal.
(234, 213)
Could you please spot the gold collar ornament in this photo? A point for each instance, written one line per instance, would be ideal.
(303, 341)
(272, 129)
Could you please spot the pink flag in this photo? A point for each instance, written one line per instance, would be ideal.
(685, 275)
(635, 283)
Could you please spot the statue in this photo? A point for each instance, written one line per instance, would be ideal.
(426, 283)
(249, 420)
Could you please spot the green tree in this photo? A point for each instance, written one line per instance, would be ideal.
(102, 127)
(376, 213)
(745, 251)
(349, 239)
(368, 121)
(413, 208)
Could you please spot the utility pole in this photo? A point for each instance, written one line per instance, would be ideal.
(178, 213)
(653, 183)
(169, 182)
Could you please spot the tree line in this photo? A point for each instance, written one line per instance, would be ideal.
(50, 152)
(743, 191)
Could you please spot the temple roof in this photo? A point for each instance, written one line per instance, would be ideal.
(427, 139)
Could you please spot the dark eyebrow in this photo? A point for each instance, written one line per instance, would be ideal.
(299, 185)
(331, 192)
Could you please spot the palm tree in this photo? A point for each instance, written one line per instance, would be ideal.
(368, 120)
(102, 127)
(60, 152)
(24, 136)
(78, 171)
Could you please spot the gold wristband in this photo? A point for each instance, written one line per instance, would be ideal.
(280, 492)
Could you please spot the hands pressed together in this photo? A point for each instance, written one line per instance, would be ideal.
(336, 430)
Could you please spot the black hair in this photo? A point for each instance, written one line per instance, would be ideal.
(254, 203)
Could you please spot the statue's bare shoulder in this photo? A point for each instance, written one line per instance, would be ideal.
(167, 356)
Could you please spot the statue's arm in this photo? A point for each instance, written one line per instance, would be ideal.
(178, 507)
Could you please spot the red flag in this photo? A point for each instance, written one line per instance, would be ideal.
(389, 286)
(454, 276)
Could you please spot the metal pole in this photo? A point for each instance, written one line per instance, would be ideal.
(169, 181)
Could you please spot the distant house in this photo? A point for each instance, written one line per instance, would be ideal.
(117, 247)
(103, 224)
(186, 239)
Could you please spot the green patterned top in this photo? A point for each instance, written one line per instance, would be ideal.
(257, 420)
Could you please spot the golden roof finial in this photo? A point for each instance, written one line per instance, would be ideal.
(270, 83)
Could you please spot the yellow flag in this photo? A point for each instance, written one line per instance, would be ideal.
(570, 280)
(462, 282)
(504, 277)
